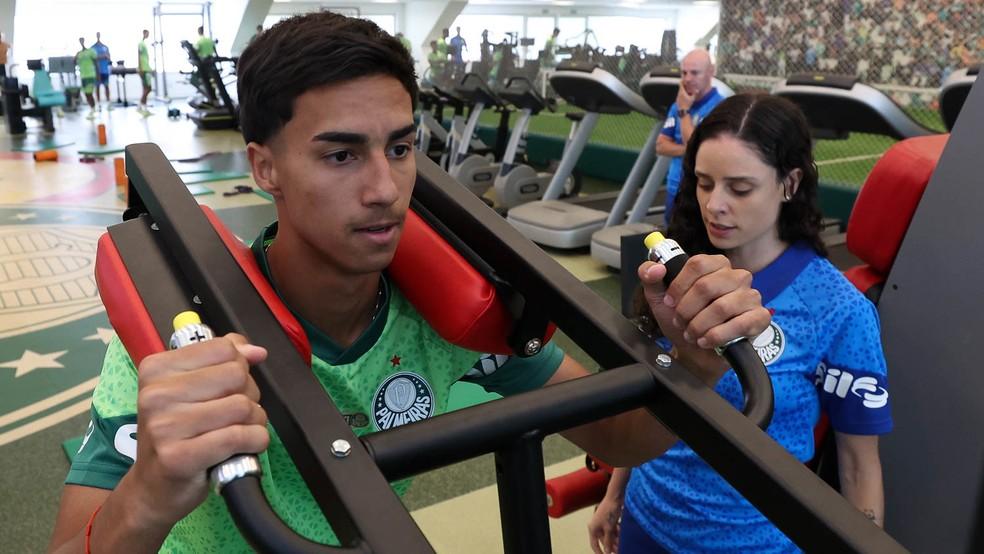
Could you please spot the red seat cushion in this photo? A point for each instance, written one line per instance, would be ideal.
(888, 199)
(863, 277)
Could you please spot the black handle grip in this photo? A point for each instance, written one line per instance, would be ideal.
(263, 529)
(756, 386)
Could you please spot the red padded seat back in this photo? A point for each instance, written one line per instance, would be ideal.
(888, 199)
(455, 298)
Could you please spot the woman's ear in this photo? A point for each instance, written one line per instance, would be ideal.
(791, 183)
(261, 163)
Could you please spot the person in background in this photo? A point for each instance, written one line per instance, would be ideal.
(437, 62)
(549, 60)
(405, 42)
(259, 29)
(457, 45)
(86, 60)
(695, 99)
(4, 49)
(144, 70)
(205, 46)
(749, 193)
(103, 65)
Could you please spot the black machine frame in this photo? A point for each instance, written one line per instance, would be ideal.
(166, 224)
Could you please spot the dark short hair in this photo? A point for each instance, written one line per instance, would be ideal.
(776, 129)
(201, 30)
(308, 51)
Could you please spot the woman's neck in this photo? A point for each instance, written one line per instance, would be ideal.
(756, 255)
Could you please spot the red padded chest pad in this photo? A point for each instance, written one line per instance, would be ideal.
(888, 199)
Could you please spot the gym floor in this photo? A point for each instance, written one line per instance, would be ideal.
(54, 330)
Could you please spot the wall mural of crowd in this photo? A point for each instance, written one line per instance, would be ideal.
(912, 43)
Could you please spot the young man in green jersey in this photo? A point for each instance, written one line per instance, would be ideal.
(86, 60)
(205, 46)
(333, 144)
(143, 69)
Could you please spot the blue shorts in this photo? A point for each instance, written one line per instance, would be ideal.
(103, 79)
(633, 539)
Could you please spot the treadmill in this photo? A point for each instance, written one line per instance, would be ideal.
(565, 224)
(954, 92)
(836, 106)
(659, 88)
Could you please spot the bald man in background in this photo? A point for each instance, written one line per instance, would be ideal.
(695, 99)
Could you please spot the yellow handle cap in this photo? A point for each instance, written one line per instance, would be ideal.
(186, 318)
(652, 239)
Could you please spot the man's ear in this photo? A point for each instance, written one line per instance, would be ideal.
(792, 181)
(261, 163)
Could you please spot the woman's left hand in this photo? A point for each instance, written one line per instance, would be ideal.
(708, 304)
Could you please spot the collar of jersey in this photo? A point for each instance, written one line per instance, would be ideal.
(322, 346)
(775, 277)
(699, 103)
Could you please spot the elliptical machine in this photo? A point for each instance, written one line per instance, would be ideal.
(431, 134)
(473, 170)
(518, 182)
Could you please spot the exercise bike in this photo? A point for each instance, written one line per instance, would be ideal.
(517, 181)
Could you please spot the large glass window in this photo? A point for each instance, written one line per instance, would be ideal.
(386, 22)
(572, 31)
(497, 25)
(539, 29)
(44, 29)
(611, 31)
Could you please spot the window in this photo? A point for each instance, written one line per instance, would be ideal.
(386, 22)
(473, 25)
(539, 29)
(612, 31)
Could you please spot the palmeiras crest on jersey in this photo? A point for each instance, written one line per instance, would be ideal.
(53, 329)
(770, 344)
(402, 398)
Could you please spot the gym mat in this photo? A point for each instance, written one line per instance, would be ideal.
(31, 145)
(213, 176)
(199, 190)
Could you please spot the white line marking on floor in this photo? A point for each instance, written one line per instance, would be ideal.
(42, 405)
(46, 421)
(848, 159)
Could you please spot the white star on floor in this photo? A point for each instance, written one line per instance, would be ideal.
(31, 360)
(103, 334)
(25, 216)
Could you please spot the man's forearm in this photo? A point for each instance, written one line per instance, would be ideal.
(670, 148)
(625, 440)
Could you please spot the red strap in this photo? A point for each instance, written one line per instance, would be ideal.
(88, 529)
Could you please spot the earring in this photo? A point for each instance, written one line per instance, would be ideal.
(785, 194)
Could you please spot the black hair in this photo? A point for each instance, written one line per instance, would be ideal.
(308, 51)
(776, 129)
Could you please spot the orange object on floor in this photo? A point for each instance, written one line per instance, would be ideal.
(46, 156)
(102, 134)
(121, 179)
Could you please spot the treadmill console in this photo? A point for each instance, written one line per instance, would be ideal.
(845, 82)
(571, 65)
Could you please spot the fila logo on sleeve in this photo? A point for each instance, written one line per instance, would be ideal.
(840, 382)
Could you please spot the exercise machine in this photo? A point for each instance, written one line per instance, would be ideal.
(431, 134)
(954, 92)
(473, 170)
(18, 103)
(214, 108)
(568, 224)
(517, 181)
(659, 88)
(172, 251)
(837, 105)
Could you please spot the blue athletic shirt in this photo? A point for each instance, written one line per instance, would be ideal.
(102, 64)
(673, 129)
(823, 351)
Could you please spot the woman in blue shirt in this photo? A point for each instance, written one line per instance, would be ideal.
(749, 192)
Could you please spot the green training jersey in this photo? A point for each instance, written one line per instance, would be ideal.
(398, 372)
(86, 59)
(442, 47)
(143, 59)
(205, 47)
